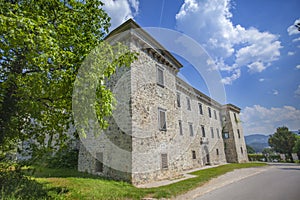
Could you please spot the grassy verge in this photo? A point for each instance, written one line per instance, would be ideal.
(70, 184)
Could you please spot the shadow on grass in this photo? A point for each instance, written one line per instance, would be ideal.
(16, 185)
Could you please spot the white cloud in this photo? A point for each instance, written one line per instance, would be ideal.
(297, 91)
(120, 10)
(292, 30)
(298, 67)
(275, 92)
(261, 80)
(290, 53)
(209, 22)
(296, 40)
(258, 119)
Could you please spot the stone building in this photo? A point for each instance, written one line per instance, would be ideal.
(161, 125)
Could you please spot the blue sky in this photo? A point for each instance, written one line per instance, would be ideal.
(253, 44)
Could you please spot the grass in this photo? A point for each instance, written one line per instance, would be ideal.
(70, 184)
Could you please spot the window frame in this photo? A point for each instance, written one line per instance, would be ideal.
(239, 134)
(218, 133)
(160, 127)
(194, 155)
(209, 112)
(200, 108)
(160, 78)
(203, 131)
(178, 99)
(188, 103)
(180, 127)
(164, 161)
(212, 132)
(191, 129)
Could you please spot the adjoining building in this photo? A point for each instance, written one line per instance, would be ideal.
(162, 125)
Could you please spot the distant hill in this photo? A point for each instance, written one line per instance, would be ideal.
(257, 141)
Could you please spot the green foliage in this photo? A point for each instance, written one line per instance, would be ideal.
(257, 157)
(15, 185)
(43, 44)
(250, 150)
(264, 157)
(62, 159)
(296, 148)
(283, 141)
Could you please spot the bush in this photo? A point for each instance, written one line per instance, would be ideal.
(65, 158)
(262, 157)
(15, 185)
(257, 157)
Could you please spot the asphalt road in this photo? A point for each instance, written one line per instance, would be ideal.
(279, 182)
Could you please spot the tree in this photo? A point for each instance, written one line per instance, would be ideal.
(42, 46)
(296, 148)
(283, 141)
(250, 150)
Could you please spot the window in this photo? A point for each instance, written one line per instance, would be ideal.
(215, 113)
(217, 150)
(218, 133)
(194, 154)
(180, 127)
(188, 103)
(191, 129)
(209, 112)
(226, 135)
(162, 124)
(203, 131)
(242, 150)
(235, 118)
(212, 132)
(160, 76)
(239, 135)
(178, 100)
(99, 162)
(164, 161)
(200, 108)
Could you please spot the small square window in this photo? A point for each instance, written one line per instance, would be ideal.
(226, 135)
(160, 76)
(194, 154)
(162, 119)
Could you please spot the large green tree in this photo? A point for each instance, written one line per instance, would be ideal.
(296, 148)
(283, 141)
(42, 46)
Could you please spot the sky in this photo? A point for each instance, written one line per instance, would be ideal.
(254, 46)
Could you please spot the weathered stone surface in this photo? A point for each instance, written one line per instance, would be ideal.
(134, 148)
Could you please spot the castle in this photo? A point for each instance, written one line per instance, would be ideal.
(162, 126)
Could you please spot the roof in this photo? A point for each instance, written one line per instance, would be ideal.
(130, 24)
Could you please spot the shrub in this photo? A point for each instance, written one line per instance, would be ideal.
(15, 185)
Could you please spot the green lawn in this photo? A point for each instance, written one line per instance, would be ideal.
(70, 184)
